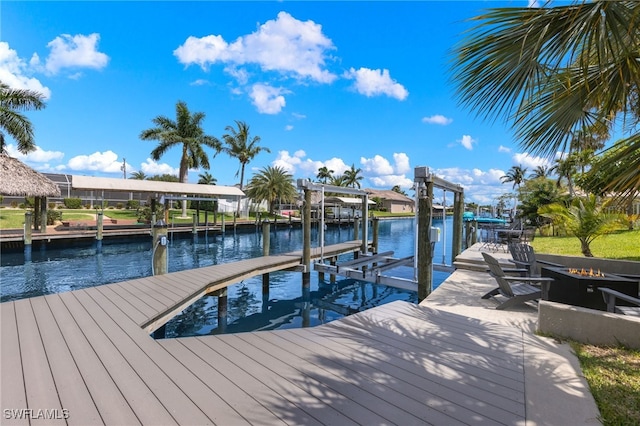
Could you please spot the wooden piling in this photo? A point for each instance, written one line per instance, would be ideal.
(160, 253)
(425, 251)
(99, 229)
(458, 213)
(376, 228)
(306, 238)
(28, 232)
(266, 248)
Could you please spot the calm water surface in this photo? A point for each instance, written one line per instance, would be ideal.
(285, 305)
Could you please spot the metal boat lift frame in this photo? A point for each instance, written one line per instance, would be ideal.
(368, 267)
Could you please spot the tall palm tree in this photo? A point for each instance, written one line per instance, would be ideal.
(540, 172)
(12, 121)
(241, 146)
(324, 173)
(139, 175)
(352, 177)
(186, 131)
(565, 168)
(554, 71)
(272, 184)
(516, 174)
(339, 180)
(206, 178)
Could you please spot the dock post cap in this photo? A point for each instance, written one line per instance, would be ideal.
(160, 224)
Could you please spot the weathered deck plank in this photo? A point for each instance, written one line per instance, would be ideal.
(73, 392)
(108, 398)
(39, 384)
(12, 394)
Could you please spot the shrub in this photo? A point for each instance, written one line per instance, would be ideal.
(52, 205)
(133, 205)
(29, 201)
(119, 206)
(87, 206)
(14, 204)
(53, 216)
(72, 203)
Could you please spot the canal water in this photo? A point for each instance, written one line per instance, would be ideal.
(286, 304)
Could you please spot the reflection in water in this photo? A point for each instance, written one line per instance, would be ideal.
(286, 303)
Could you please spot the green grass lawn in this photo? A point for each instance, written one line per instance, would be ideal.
(623, 245)
(613, 375)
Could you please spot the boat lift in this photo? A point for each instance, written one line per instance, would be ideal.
(370, 267)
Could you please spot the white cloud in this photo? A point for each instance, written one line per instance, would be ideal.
(467, 142)
(503, 149)
(298, 116)
(370, 83)
(200, 82)
(284, 45)
(287, 161)
(378, 165)
(268, 99)
(15, 72)
(480, 186)
(288, 127)
(390, 181)
(106, 162)
(437, 119)
(151, 168)
(75, 51)
(529, 162)
(37, 156)
(401, 162)
(337, 165)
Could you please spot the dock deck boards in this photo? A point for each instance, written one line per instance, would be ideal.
(87, 352)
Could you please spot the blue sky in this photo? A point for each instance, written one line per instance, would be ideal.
(322, 83)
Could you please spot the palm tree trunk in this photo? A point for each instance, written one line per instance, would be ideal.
(586, 250)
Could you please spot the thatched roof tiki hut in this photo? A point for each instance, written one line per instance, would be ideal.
(19, 180)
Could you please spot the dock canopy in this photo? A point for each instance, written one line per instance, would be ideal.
(89, 183)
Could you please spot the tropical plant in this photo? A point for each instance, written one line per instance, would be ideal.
(534, 194)
(241, 146)
(206, 179)
(585, 218)
(139, 175)
(516, 174)
(15, 124)
(324, 173)
(186, 132)
(166, 177)
(339, 180)
(352, 177)
(552, 72)
(272, 184)
(540, 172)
(396, 188)
(565, 167)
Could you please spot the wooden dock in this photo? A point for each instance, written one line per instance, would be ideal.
(86, 357)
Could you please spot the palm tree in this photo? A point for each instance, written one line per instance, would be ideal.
(186, 131)
(399, 190)
(565, 168)
(586, 218)
(12, 121)
(241, 146)
(206, 179)
(324, 173)
(554, 71)
(540, 172)
(272, 184)
(139, 175)
(516, 174)
(352, 177)
(339, 180)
